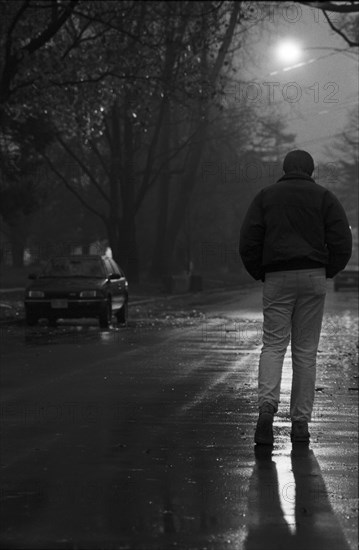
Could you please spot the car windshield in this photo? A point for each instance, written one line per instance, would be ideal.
(73, 267)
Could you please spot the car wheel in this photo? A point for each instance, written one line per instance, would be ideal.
(122, 314)
(31, 319)
(105, 315)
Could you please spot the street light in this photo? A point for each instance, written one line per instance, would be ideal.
(288, 51)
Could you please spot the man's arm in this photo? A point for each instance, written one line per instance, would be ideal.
(252, 238)
(338, 235)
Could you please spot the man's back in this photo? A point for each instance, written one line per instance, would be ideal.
(295, 224)
(294, 213)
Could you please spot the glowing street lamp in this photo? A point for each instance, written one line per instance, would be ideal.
(288, 51)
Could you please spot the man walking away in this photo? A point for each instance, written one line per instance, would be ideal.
(294, 236)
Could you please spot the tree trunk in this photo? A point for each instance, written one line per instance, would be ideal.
(113, 241)
(189, 180)
(18, 237)
(120, 225)
(161, 265)
(17, 251)
(114, 180)
(128, 239)
(187, 186)
(161, 261)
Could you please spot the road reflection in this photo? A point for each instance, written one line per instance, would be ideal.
(290, 513)
(76, 335)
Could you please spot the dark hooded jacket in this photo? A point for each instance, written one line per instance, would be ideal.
(295, 224)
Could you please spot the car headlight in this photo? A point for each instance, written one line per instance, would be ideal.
(35, 294)
(90, 294)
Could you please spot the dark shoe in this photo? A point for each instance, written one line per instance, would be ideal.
(264, 430)
(299, 433)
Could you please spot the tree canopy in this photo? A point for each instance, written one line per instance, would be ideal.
(123, 102)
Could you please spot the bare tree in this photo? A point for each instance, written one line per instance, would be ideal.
(347, 28)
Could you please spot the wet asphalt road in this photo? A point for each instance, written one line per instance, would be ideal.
(141, 437)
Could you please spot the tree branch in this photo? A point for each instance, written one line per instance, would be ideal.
(11, 60)
(51, 30)
(351, 43)
(100, 157)
(13, 24)
(110, 25)
(76, 39)
(223, 50)
(151, 181)
(330, 6)
(84, 168)
(70, 188)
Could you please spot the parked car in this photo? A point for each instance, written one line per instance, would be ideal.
(71, 287)
(348, 278)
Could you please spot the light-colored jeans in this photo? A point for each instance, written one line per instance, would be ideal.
(293, 304)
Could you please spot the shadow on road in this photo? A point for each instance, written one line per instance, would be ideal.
(295, 515)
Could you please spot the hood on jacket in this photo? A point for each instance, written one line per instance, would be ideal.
(299, 162)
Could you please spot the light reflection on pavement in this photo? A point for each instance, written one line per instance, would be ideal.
(141, 437)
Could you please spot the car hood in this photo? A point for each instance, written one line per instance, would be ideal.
(66, 283)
